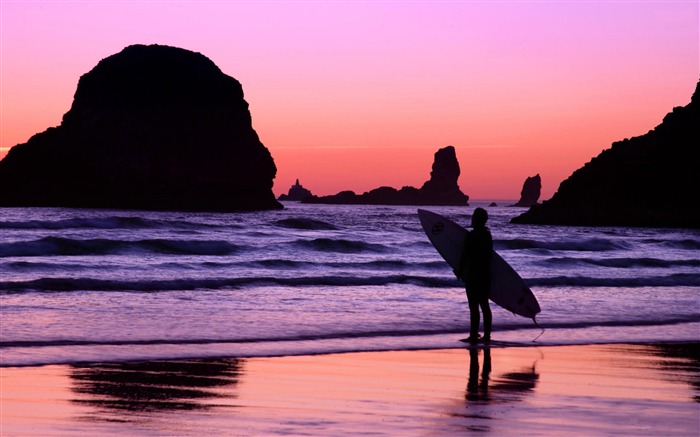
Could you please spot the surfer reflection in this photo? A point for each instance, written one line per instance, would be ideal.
(152, 386)
(475, 270)
(508, 387)
(478, 389)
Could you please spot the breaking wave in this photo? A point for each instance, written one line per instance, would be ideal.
(682, 244)
(305, 224)
(116, 222)
(622, 262)
(370, 265)
(345, 280)
(339, 245)
(590, 245)
(80, 284)
(59, 246)
(678, 279)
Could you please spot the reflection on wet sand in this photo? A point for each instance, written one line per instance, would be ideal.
(509, 386)
(682, 362)
(478, 390)
(484, 390)
(548, 391)
(153, 386)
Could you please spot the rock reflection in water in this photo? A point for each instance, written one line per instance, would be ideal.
(153, 385)
(682, 361)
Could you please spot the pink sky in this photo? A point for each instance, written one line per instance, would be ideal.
(354, 95)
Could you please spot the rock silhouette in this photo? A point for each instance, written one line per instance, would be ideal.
(530, 193)
(296, 193)
(649, 180)
(151, 127)
(440, 189)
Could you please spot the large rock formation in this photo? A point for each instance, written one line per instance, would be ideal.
(530, 193)
(296, 193)
(151, 127)
(650, 180)
(441, 189)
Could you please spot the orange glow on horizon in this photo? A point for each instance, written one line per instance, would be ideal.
(345, 99)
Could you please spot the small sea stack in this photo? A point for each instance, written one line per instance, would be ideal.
(151, 127)
(530, 193)
(296, 193)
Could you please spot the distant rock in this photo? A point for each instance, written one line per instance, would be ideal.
(343, 198)
(492, 204)
(440, 189)
(650, 180)
(151, 127)
(296, 193)
(530, 193)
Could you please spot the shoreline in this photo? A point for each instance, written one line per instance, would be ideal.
(600, 389)
(116, 354)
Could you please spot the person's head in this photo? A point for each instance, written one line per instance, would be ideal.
(479, 218)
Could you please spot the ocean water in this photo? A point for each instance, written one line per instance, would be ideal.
(81, 285)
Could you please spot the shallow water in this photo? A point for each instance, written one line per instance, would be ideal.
(105, 285)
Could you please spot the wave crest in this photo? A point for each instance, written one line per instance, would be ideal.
(622, 262)
(678, 279)
(305, 224)
(81, 284)
(339, 245)
(59, 246)
(590, 245)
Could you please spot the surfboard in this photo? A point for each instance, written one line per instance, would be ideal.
(508, 290)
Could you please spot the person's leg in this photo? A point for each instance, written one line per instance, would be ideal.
(473, 315)
(486, 309)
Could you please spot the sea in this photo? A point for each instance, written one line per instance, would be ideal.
(100, 285)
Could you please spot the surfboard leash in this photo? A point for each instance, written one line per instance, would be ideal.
(534, 319)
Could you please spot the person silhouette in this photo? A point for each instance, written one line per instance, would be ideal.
(475, 270)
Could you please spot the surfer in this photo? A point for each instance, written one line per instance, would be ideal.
(475, 262)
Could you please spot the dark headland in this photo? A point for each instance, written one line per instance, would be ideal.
(152, 127)
(649, 180)
(440, 189)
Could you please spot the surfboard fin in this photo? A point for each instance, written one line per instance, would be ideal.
(534, 319)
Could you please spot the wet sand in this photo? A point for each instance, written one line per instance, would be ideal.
(558, 390)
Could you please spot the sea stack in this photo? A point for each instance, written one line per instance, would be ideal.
(440, 189)
(649, 180)
(530, 193)
(152, 127)
(296, 193)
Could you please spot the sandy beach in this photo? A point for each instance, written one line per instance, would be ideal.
(557, 390)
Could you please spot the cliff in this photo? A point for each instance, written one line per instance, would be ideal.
(649, 180)
(440, 189)
(151, 127)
